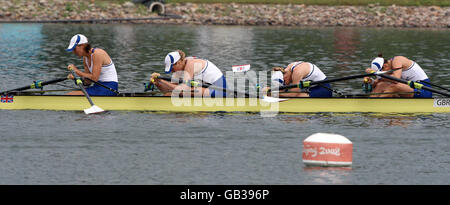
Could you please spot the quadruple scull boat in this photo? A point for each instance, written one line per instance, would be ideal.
(144, 102)
(16, 99)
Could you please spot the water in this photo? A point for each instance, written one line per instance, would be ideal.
(58, 147)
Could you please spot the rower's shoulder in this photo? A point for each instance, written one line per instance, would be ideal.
(304, 66)
(99, 51)
(400, 58)
(193, 61)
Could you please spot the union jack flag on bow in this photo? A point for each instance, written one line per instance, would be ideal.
(7, 99)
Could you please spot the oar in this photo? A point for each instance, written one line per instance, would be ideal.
(100, 84)
(35, 85)
(305, 84)
(429, 83)
(204, 85)
(413, 84)
(94, 108)
(207, 85)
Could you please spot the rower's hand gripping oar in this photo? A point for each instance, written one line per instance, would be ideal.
(94, 108)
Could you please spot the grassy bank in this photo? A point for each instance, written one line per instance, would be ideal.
(315, 2)
(319, 2)
(330, 2)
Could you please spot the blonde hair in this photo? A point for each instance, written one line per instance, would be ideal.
(182, 54)
(278, 69)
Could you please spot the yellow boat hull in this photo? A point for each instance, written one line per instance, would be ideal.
(168, 104)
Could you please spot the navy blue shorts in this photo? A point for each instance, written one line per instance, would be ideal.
(423, 93)
(319, 91)
(221, 83)
(97, 90)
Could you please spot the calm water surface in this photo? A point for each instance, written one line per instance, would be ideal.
(57, 147)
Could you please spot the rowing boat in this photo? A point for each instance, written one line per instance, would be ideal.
(144, 102)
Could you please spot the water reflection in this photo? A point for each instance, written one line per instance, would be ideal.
(20, 46)
(37, 51)
(346, 43)
(327, 175)
(393, 121)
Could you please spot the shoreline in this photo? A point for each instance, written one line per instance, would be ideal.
(295, 15)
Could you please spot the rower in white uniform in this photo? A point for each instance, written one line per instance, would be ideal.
(97, 64)
(405, 69)
(200, 70)
(301, 71)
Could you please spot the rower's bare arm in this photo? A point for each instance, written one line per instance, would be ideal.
(193, 66)
(97, 67)
(294, 92)
(165, 86)
(369, 70)
(396, 74)
(86, 70)
(297, 76)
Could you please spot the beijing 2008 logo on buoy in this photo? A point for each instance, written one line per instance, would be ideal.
(322, 149)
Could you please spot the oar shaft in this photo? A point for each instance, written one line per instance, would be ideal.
(407, 82)
(102, 85)
(309, 83)
(420, 81)
(33, 85)
(80, 84)
(326, 81)
(207, 85)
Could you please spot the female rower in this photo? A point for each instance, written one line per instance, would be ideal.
(97, 64)
(303, 71)
(194, 69)
(405, 69)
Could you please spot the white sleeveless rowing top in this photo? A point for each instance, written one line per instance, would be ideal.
(108, 72)
(209, 74)
(414, 73)
(315, 74)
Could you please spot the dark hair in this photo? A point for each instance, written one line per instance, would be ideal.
(381, 56)
(87, 48)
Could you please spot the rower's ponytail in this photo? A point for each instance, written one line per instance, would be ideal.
(278, 69)
(87, 48)
(381, 56)
(182, 54)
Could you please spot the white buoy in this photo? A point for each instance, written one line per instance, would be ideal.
(323, 149)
